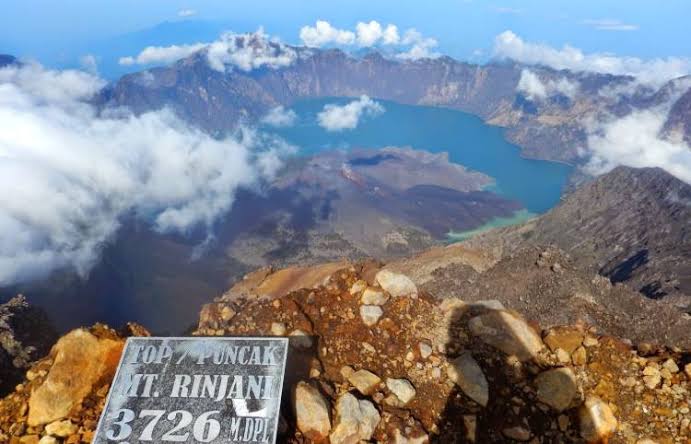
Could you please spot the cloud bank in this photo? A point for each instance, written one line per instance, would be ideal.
(280, 117)
(338, 118)
(69, 177)
(635, 141)
(535, 89)
(231, 51)
(412, 45)
(654, 71)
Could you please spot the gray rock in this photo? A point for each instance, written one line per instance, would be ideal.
(557, 388)
(467, 374)
(508, 333)
(370, 314)
(396, 284)
(356, 420)
(402, 389)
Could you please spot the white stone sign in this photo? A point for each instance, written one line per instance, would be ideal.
(195, 390)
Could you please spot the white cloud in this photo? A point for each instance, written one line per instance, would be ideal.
(634, 140)
(338, 118)
(654, 71)
(280, 117)
(370, 34)
(89, 64)
(186, 13)
(243, 51)
(69, 177)
(610, 25)
(162, 54)
(535, 89)
(248, 52)
(421, 47)
(322, 33)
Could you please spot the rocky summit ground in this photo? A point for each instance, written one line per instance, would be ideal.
(375, 358)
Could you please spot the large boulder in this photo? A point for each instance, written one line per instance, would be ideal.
(80, 361)
(507, 332)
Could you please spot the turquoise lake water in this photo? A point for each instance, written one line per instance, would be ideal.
(468, 140)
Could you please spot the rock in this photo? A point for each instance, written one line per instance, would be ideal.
(565, 338)
(470, 424)
(425, 350)
(227, 313)
(29, 439)
(491, 304)
(646, 441)
(278, 329)
(671, 366)
(400, 438)
(80, 360)
(61, 429)
(687, 370)
(651, 377)
(364, 381)
(518, 433)
(396, 284)
(508, 333)
(312, 412)
(373, 297)
(300, 339)
(358, 286)
(465, 372)
(402, 389)
(48, 440)
(597, 422)
(370, 314)
(580, 356)
(356, 420)
(346, 371)
(563, 356)
(557, 388)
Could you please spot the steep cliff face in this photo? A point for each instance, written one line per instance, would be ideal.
(548, 128)
(631, 225)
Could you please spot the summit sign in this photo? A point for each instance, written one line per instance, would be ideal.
(195, 390)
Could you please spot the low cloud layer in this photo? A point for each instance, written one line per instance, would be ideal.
(231, 51)
(653, 71)
(280, 117)
(411, 45)
(536, 89)
(69, 177)
(343, 117)
(162, 54)
(635, 141)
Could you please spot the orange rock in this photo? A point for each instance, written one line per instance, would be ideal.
(80, 360)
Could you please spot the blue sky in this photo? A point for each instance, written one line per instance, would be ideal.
(57, 33)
